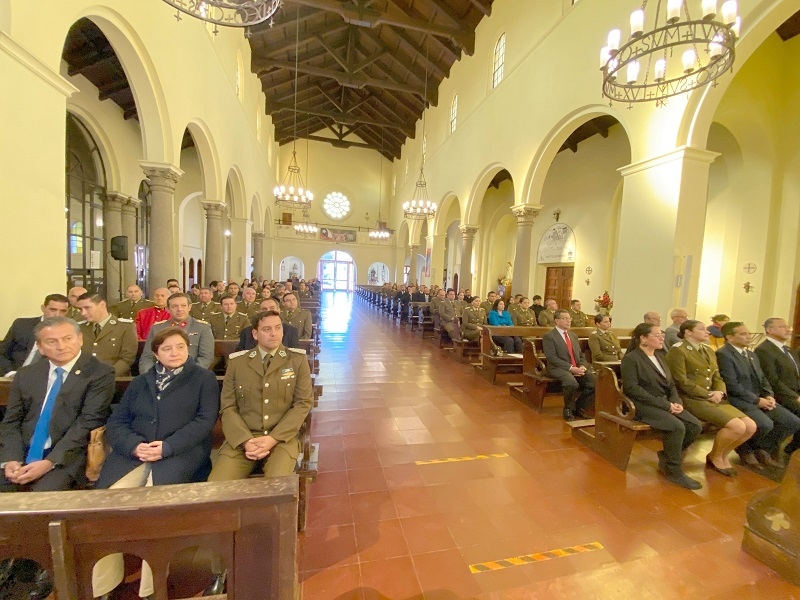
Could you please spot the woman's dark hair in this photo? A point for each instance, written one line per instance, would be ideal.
(641, 330)
(165, 334)
(688, 325)
(599, 318)
(498, 301)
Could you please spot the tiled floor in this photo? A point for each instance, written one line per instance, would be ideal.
(381, 526)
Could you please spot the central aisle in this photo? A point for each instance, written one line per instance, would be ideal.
(383, 526)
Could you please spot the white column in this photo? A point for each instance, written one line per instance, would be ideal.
(241, 244)
(412, 274)
(467, 239)
(214, 268)
(258, 254)
(163, 178)
(128, 222)
(113, 228)
(526, 214)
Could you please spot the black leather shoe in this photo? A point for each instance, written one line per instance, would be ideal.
(217, 587)
(720, 470)
(749, 459)
(662, 461)
(683, 480)
(569, 415)
(42, 587)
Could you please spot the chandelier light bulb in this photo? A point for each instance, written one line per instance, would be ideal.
(633, 72)
(715, 48)
(637, 22)
(604, 56)
(612, 68)
(660, 71)
(709, 9)
(613, 41)
(736, 27)
(689, 59)
(674, 10)
(729, 10)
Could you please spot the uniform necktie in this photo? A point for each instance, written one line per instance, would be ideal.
(96, 329)
(41, 432)
(791, 358)
(267, 360)
(569, 348)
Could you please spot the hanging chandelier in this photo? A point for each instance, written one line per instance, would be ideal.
(292, 193)
(381, 231)
(679, 54)
(420, 207)
(306, 229)
(228, 13)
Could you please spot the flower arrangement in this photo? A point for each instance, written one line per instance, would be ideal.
(604, 303)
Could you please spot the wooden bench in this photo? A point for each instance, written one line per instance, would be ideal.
(464, 350)
(615, 428)
(535, 380)
(441, 338)
(493, 361)
(249, 524)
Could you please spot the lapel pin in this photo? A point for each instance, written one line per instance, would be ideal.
(78, 372)
(282, 354)
(252, 354)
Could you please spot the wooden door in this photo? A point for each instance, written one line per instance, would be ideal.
(559, 285)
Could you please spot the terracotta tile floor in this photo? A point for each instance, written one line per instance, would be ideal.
(382, 527)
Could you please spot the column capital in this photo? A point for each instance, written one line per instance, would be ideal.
(259, 235)
(413, 247)
(116, 200)
(468, 231)
(213, 210)
(161, 174)
(526, 213)
(678, 154)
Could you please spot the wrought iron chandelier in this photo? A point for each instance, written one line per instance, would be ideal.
(228, 13)
(381, 231)
(306, 229)
(677, 55)
(292, 193)
(420, 207)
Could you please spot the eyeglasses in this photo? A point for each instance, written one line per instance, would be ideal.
(656, 335)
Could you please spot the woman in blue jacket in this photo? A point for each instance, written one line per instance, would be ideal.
(499, 317)
(160, 434)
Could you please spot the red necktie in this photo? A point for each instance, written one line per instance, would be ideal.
(569, 349)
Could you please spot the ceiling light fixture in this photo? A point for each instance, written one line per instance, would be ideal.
(228, 13)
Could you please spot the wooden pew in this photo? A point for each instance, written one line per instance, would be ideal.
(535, 380)
(464, 350)
(440, 336)
(615, 429)
(250, 524)
(493, 361)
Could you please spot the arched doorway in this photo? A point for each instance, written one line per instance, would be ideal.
(291, 268)
(378, 274)
(337, 271)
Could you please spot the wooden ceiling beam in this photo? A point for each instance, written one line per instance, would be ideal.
(324, 30)
(342, 118)
(371, 18)
(113, 87)
(486, 10)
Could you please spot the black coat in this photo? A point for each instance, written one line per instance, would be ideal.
(780, 372)
(182, 418)
(744, 380)
(18, 343)
(642, 383)
(82, 405)
(291, 338)
(555, 349)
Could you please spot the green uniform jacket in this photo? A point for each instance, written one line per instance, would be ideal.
(116, 345)
(300, 318)
(546, 318)
(460, 306)
(230, 330)
(305, 295)
(694, 370)
(127, 309)
(486, 306)
(471, 319)
(255, 403)
(604, 346)
(579, 319)
(249, 308)
(204, 311)
(434, 305)
(74, 314)
(524, 317)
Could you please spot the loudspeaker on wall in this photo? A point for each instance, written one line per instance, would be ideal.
(119, 247)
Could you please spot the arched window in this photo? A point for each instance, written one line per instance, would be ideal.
(499, 61)
(85, 197)
(454, 114)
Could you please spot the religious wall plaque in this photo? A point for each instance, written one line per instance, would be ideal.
(557, 245)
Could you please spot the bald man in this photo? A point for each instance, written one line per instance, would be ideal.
(129, 308)
(74, 311)
(147, 317)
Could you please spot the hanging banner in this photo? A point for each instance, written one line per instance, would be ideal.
(347, 236)
(428, 262)
(557, 245)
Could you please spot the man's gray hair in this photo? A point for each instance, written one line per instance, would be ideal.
(55, 322)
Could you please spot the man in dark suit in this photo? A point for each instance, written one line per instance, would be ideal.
(53, 406)
(750, 392)
(780, 366)
(567, 363)
(19, 346)
(291, 337)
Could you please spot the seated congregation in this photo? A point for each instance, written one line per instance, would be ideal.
(677, 382)
(176, 422)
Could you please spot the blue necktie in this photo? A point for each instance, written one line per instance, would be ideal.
(41, 432)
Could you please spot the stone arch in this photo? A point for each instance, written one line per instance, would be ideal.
(478, 190)
(702, 104)
(439, 223)
(255, 213)
(546, 153)
(403, 235)
(113, 177)
(236, 182)
(151, 104)
(209, 159)
(268, 224)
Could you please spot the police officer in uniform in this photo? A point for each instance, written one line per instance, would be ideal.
(473, 318)
(447, 311)
(488, 304)
(693, 365)
(249, 304)
(603, 343)
(304, 293)
(74, 311)
(436, 301)
(547, 317)
(461, 304)
(201, 338)
(579, 318)
(524, 316)
(228, 324)
(109, 340)
(266, 396)
(299, 317)
(206, 307)
(136, 301)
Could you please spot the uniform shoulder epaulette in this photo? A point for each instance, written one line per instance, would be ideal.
(159, 322)
(237, 354)
(124, 320)
(84, 322)
(241, 313)
(678, 344)
(201, 321)
(296, 350)
(595, 332)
